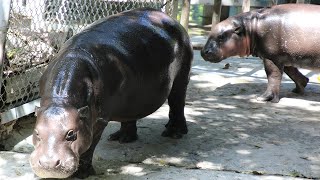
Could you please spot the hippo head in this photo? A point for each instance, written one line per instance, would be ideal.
(60, 136)
(226, 39)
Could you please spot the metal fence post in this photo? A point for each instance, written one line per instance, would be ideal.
(4, 24)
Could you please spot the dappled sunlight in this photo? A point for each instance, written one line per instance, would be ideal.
(132, 169)
(211, 99)
(242, 135)
(20, 158)
(243, 152)
(235, 115)
(209, 165)
(15, 166)
(302, 104)
(238, 66)
(224, 106)
(161, 113)
(315, 168)
(208, 79)
(162, 161)
(204, 85)
(2, 162)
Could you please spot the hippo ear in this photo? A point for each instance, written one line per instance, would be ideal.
(238, 29)
(83, 112)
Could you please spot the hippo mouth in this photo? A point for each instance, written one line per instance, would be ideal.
(62, 170)
(53, 173)
(213, 59)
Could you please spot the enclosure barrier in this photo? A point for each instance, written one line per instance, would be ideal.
(32, 31)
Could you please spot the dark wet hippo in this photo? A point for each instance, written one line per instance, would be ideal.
(286, 37)
(122, 68)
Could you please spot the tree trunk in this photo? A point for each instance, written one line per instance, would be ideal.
(184, 21)
(245, 5)
(216, 12)
(274, 2)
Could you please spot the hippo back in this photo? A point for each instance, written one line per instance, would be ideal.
(290, 32)
(134, 56)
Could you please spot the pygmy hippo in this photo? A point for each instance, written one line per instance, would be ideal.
(121, 68)
(286, 37)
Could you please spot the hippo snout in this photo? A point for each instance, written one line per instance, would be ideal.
(46, 166)
(49, 163)
(211, 55)
(206, 53)
(210, 52)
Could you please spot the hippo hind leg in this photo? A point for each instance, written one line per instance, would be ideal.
(177, 125)
(299, 79)
(126, 134)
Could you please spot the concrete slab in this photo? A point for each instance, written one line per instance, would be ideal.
(231, 135)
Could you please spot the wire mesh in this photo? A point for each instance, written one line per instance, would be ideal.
(37, 30)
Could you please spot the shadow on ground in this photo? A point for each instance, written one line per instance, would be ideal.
(228, 131)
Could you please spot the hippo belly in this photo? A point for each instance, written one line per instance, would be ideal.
(121, 68)
(144, 98)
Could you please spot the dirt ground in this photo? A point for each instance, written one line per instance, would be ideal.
(231, 134)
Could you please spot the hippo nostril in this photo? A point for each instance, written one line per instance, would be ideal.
(206, 52)
(58, 163)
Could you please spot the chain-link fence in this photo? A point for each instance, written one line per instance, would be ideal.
(38, 28)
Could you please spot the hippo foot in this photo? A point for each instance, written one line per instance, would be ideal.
(123, 137)
(300, 87)
(84, 171)
(175, 131)
(298, 91)
(269, 97)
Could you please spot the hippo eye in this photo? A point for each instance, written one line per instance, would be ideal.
(71, 136)
(222, 38)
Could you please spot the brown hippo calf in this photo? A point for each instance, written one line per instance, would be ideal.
(286, 37)
(121, 68)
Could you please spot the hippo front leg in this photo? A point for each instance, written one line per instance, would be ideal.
(85, 168)
(274, 74)
(299, 79)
